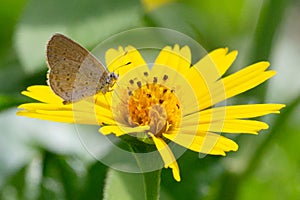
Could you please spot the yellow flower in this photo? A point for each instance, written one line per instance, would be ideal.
(150, 5)
(172, 100)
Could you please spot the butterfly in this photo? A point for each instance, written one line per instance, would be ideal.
(74, 73)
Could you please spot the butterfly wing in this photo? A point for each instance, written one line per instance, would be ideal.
(74, 73)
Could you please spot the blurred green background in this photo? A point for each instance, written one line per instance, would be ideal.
(45, 160)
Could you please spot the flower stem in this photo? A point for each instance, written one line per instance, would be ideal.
(152, 184)
(151, 179)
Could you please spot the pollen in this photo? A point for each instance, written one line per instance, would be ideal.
(154, 105)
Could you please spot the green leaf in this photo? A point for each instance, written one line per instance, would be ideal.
(7, 101)
(258, 153)
(13, 79)
(275, 131)
(9, 13)
(197, 177)
(14, 188)
(94, 184)
(59, 180)
(222, 19)
(11, 73)
(281, 151)
(267, 28)
(129, 186)
(87, 22)
(212, 23)
(178, 17)
(120, 185)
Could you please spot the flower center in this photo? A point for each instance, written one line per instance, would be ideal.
(154, 105)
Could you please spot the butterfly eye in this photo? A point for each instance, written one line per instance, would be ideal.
(114, 76)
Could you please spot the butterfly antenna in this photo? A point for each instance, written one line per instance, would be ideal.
(128, 63)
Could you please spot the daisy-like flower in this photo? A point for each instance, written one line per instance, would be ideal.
(172, 100)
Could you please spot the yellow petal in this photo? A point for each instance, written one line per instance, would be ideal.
(167, 156)
(68, 116)
(125, 60)
(175, 63)
(42, 93)
(206, 72)
(83, 112)
(219, 122)
(247, 78)
(219, 58)
(103, 101)
(175, 58)
(122, 130)
(201, 85)
(243, 126)
(240, 82)
(227, 119)
(252, 110)
(98, 108)
(44, 106)
(54, 118)
(231, 126)
(180, 85)
(208, 143)
(237, 112)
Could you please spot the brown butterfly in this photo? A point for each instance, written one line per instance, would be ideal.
(74, 73)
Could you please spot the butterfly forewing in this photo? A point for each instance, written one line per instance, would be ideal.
(74, 73)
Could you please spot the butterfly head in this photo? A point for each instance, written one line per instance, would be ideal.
(112, 78)
(110, 81)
